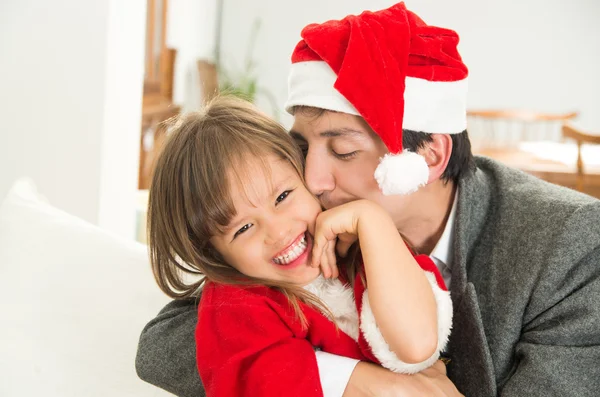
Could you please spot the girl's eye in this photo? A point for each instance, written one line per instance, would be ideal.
(345, 156)
(282, 196)
(242, 230)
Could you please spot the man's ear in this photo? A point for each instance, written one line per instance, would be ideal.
(437, 154)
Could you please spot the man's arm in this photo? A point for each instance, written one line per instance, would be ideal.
(559, 350)
(166, 358)
(558, 353)
(166, 355)
(372, 380)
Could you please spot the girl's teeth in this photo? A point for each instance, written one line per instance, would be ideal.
(292, 254)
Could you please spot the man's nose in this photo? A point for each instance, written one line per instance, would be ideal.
(318, 173)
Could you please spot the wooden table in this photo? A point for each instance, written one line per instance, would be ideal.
(548, 170)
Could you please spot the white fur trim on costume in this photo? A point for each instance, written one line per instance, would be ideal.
(381, 350)
(402, 173)
(339, 298)
(429, 106)
(311, 84)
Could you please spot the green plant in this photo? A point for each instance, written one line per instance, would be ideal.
(244, 83)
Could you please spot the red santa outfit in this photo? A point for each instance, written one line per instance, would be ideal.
(352, 313)
(251, 343)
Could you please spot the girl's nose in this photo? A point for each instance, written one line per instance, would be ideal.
(278, 231)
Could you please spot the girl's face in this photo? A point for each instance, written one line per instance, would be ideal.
(268, 237)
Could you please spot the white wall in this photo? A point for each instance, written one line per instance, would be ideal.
(121, 129)
(191, 31)
(535, 54)
(70, 103)
(71, 76)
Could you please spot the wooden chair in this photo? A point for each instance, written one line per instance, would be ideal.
(580, 137)
(208, 75)
(157, 103)
(507, 128)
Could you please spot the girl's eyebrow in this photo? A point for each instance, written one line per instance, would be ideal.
(274, 192)
(227, 229)
(277, 187)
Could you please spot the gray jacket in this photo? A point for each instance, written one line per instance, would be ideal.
(525, 288)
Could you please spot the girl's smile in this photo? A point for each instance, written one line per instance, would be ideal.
(296, 253)
(268, 236)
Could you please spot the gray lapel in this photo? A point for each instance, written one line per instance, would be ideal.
(471, 367)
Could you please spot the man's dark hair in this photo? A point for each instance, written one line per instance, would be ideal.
(461, 163)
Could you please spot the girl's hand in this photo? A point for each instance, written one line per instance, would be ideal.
(327, 262)
(336, 230)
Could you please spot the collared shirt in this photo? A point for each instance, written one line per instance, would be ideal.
(442, 253)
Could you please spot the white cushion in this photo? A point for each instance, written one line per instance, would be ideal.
(73, 301)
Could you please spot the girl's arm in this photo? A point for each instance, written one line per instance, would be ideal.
(399, 294)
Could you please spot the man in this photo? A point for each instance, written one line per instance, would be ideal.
(379, 110)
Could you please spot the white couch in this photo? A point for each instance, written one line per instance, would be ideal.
(73, 301)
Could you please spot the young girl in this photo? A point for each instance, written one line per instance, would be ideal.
(228, 203)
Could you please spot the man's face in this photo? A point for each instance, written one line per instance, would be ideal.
(342, 153)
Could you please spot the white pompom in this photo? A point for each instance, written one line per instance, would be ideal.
(402, 173)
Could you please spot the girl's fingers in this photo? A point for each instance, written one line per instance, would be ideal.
(325, 263)
(330, 252)
(314, 260)
(320, 244)
(317, 251)
(327, 227)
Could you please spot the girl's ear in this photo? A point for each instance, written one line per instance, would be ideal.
(437, 154)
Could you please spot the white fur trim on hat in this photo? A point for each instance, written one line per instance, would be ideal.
(436, 107)
(429, 106)
(311, 84)
(381, 350)
(402, 173)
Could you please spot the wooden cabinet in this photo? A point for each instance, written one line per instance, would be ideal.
(154, 132)
(158, 103)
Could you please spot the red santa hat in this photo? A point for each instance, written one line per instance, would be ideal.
(392, 69)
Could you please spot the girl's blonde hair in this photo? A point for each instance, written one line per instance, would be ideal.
(190, 199)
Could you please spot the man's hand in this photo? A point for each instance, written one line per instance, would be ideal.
(373, 380)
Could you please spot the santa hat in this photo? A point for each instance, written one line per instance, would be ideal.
(393, 70)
